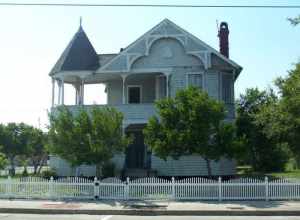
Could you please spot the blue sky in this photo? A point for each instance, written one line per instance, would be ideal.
(32, 39)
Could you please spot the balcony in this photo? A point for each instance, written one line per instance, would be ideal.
(133, 113)
(140, 113)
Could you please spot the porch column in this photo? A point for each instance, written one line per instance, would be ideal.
(123, 128)
(59, 92)
(123, 87)
(62, 91)
(53, 91)
(82, 92)
(167, 89)
(76, 94)
(167, 74)
(77, 88)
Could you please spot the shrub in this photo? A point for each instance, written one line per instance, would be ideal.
(48, 173)
(108, 169)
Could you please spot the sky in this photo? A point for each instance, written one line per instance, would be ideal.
(262, 41)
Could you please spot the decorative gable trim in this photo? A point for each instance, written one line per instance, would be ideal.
(165, 29)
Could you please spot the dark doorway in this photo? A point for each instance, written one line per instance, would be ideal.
(135, 155)
(134, 94)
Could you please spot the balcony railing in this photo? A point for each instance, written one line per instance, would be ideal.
(139, 113)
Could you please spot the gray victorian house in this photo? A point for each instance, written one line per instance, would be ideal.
(163, 60)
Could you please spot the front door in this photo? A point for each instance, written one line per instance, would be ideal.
(136, 151)
(134, 94)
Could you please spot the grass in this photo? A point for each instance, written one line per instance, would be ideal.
(287, 174)
(246, 171)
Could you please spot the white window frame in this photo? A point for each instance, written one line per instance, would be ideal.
(141, 93)
(194, 73)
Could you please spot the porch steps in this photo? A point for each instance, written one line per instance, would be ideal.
(139, 173)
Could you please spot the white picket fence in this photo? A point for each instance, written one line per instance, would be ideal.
(151, 189)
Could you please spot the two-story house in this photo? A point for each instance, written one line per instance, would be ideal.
(156, 65)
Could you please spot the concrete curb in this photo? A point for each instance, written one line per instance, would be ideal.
(154, 212)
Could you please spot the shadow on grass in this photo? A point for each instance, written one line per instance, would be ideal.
(163, 204)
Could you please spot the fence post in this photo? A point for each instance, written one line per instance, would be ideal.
(51, 187)
(267, 188)
(127, 188)
(173, 189)
(220, 188)
(9, 187)
(96, 188)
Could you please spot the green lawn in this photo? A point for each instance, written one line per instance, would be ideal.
(246, 171)
(288, 174)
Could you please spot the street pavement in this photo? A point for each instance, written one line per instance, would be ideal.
(151, 208)
(116, 217)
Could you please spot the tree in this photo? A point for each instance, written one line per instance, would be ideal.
(190, 123)
(3, 161)
(289, 89)
(84, 138)
(107, 136)
(13, 138)
(36, 148)
(255, 110)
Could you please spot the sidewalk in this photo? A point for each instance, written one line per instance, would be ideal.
(273, 208)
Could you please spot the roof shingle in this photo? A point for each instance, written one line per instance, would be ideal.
(79, 55)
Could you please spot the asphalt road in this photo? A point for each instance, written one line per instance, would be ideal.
(116, 217)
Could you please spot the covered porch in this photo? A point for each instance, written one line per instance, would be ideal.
(120, 88)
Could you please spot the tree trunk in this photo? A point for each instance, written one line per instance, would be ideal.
(99, 170)
(208, 166)
(42, 163)
(297, 164)
(253, 159)
(12, 170)
(25, 172)
(35, 167)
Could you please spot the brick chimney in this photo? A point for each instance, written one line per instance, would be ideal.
(223, 39)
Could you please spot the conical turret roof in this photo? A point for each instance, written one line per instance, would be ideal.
(79, 55)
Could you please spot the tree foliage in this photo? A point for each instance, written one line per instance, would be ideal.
(256, 111)
(84, 138)
(289, 88)
(13, 139)
(37, 149)
(22, 141)
(3, 161)
(190, 123)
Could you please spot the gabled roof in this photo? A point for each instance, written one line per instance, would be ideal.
(105, 58)
(79, 55)
(166, 28)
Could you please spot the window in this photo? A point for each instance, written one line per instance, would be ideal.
(134, 94)
(227, 88)
(195, 79)
(161, 87)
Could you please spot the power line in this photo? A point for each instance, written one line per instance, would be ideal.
(148, 5)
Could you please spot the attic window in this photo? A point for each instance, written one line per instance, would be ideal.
(195, 80)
